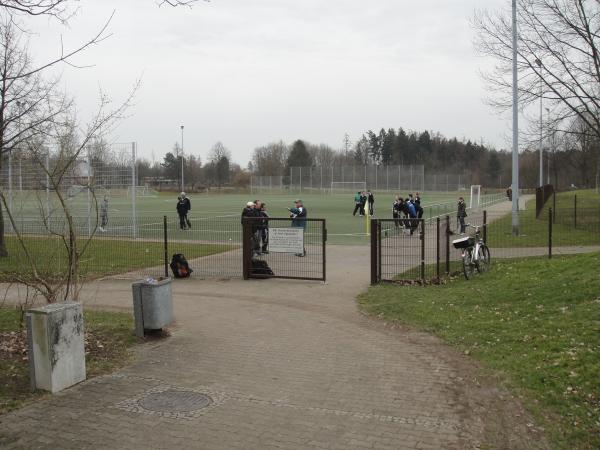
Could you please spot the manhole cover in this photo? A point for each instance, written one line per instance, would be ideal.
(172, 401)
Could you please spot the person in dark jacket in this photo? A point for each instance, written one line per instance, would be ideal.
(363, 203)
(250, 212)
(298, 215)
(263, 227)
(371, 202)
(188, 208)
(461, 213)
(182, 212)
(418, 207)
(356, 203)
(412, 216)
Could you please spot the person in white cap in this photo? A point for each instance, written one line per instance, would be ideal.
(184, 205)
(250, 212)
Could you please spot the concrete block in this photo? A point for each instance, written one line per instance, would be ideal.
(56, 343)
(152, 305)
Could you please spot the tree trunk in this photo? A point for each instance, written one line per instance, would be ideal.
(3, 251)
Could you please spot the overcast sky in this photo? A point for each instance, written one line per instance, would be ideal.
(249, 72)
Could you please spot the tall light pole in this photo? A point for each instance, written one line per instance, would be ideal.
(515, 140)
(182, 184)
(539, 63)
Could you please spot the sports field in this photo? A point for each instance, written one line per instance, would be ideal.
(342, 226)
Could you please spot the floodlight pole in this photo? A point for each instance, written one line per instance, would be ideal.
(541, 127)
(182, 184)
(515, 140)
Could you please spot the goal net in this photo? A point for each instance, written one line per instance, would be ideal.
(475, 202)
(348, 186)
(140, 191)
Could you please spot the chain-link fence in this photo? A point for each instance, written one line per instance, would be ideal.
(407, 250)
(211, 245)
(32, 181)
(344, 179)
(284, 248)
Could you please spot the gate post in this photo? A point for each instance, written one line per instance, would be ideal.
(485, 227)
(246, 248)
(374, 251)
(422, 249)
(324, 250)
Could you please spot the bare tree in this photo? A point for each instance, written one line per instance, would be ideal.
(61, 8)
(558, 44)
(218, 167)
(29, 105)
(270, 160)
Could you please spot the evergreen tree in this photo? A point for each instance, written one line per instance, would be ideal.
(299, 156)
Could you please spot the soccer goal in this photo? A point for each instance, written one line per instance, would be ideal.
(348, 186)
(140, 191)
(475, 202)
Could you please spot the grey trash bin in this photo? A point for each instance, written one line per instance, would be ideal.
(152, 305)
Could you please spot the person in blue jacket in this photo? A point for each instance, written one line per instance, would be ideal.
(412, 214)
(298, 215)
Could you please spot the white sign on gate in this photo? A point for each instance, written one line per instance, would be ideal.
(286, 240)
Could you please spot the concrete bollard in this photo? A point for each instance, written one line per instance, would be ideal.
(55, 336)
(152, 305)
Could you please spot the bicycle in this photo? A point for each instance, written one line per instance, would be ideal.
(475, 253)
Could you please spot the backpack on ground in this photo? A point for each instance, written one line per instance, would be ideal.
(260, 267)
(180, 266)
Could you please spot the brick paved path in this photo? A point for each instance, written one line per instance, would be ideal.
(288, 365)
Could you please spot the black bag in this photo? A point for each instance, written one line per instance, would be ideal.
(180, 266)
(260, 267)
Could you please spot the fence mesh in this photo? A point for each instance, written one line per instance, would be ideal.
(266, 257)
(428, 253)
(338, 179)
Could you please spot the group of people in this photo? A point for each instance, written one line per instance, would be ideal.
(406, 211)
(257, 211)
(260, 228)
(361, 199)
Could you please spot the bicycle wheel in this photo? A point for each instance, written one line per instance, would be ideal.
(483, 259)
(467, 262)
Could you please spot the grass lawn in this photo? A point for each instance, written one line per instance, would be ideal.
(109, 337)
(534, 323)
(534, 232)
(103, 256)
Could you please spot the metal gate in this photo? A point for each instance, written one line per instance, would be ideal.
(407, 250)
(279, 248)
